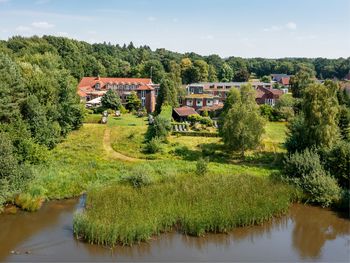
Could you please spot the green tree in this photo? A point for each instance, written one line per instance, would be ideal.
(317, 126)
(226, 73)
(243, 126)
(11, 89)
(241, 75)
(167, 94)
(299, 82)
(133, 102)
(265, 79)
(200, 71)
(111, 100)
(212, 75)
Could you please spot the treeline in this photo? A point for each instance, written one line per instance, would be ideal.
(84, 59)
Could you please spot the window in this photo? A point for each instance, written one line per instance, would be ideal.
(199, 103)
(189, 102)
(219, 87)
(97, 86)
(209, 102)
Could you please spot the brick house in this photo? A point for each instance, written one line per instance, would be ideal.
(211, 96)
(268, 96)
(93, 87)
(181, 113)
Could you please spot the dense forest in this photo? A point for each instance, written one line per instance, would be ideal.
(39, 75)
(84, 59)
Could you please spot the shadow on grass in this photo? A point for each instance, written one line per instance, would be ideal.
(217, 153)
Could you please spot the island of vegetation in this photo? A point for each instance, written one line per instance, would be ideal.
(141, 177)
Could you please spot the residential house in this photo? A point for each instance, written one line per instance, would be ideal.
(90, 88)
(268, 96)
(282, 79)
(211, 96)
(181, 113)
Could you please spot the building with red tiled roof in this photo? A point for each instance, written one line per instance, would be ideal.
(267, 96)
(180, 114)
(93, 87)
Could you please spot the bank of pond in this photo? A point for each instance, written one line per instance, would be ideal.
(135, 209)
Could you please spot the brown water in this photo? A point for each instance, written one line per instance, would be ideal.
(305, 234)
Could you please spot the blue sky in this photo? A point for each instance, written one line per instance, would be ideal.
(247, 28)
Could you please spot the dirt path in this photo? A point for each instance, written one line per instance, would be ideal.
(111, 153)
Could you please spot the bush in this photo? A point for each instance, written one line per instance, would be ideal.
(202, 166)
(206, 121)
(154, 145)
(194, 118)
(320, 188)
(160, 128)
(123, 110)
(337, 162)
(302, 164)
(305, 170)
(137, 179)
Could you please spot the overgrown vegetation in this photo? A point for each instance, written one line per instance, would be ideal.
(318, 152)
(193, 205)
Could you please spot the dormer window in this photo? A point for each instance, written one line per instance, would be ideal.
(97, 86)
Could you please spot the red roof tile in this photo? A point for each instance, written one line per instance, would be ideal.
(185, 111)
(285, 80)
(91, 81)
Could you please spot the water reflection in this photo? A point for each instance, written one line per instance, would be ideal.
(307, 233)
(313, 227)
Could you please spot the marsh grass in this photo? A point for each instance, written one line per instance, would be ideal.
(122, 214)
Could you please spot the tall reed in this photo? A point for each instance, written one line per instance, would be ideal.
(121, 214)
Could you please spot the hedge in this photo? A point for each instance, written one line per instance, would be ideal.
(196, 134)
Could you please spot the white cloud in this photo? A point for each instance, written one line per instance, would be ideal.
(207, 37)
(42, 25)
(291, 25)
(151, 18)
(23, 29)
(272, 29)
(175, 20)
(275, 28)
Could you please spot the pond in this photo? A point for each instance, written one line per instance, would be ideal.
(306, 233)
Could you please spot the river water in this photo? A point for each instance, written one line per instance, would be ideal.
(305, 234)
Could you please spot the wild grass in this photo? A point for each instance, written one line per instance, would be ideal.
(80, 162)
(194, 205)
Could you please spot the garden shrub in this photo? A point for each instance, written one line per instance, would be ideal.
(202, 166)
(321, 188)
(160, 128)
(206, 121)
(154, 145)
(137, 178)
(306, 171)
(302, 164)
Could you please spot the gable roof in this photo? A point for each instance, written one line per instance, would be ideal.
(185, 111)
(91, 81)
(285, 80)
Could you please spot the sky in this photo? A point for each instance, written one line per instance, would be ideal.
(246, 28)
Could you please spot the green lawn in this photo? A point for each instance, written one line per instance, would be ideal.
(130, 141)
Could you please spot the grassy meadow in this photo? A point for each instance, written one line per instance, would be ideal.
(80, 162)
(233, 192)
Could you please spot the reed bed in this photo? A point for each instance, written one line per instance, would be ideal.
(124, 215)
